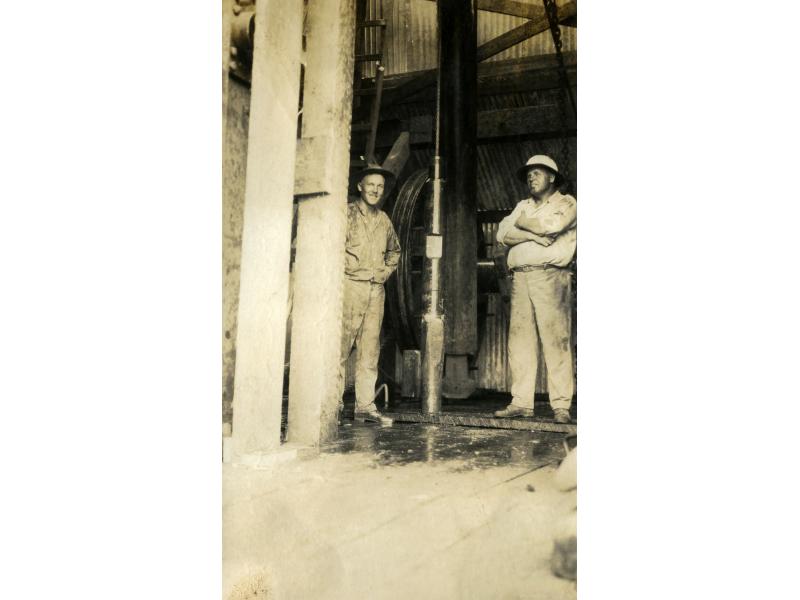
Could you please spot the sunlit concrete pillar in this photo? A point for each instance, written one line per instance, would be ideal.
(266, 233)
(321, 227)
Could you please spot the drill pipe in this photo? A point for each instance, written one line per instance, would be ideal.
(433, 318)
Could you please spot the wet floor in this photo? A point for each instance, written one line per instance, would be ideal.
(457, 448)
(480, 403)
(411, 510)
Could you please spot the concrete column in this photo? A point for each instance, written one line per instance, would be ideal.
(266, 233)
(321, 226)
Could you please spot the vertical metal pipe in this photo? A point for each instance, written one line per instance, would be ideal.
(433, 319)
(433, 325)
(375, 116)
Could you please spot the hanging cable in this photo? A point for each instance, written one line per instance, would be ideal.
(551, 9)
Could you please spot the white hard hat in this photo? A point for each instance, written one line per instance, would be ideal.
(539, 160)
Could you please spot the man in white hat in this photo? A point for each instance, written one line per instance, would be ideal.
(541, 232)
(372, 252)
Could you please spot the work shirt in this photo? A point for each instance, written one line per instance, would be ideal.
(557, 216)
(372, 250)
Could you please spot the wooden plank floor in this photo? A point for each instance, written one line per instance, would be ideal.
(482, 420)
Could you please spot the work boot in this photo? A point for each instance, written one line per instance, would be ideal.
(561, 415)
(512, 410)
(372, 416)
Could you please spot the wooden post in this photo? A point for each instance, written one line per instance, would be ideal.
(266, 234)
(321, 225)
(227, 13)
(458, 67)
(234, 166)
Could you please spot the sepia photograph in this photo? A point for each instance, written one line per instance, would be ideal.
(291, 300)
(399, 293)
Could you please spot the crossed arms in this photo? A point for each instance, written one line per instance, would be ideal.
(517, 227)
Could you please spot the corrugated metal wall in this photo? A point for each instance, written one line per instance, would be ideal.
(492, 360)
(497, 185)
(371, 40)
(410, 43)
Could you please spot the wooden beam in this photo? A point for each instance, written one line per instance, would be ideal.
(525, 75)
(457, 61)
(485, 420)
(510, 7)
(525, 10)
(492, 125)
(267, 229)
(314, 391)
(487, 50)
(515, 121)
(423, 80)
(523, 32)
(313, 171)
(499, 77)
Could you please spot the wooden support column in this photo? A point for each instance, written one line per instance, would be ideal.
(321, 224)
(510, 7)
(459, 78)
(227, 14)
(266, 234)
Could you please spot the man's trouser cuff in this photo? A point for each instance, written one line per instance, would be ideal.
(560, 403)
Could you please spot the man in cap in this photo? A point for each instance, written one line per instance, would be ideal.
(541, 232)
(372, 252)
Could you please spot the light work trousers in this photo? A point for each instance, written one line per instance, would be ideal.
(541, 311)
(361, 325)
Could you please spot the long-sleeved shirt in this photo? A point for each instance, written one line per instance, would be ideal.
(557, 218)
(372, 250)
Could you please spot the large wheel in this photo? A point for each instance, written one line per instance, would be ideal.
(405, 289)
